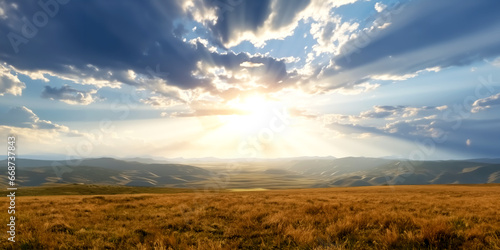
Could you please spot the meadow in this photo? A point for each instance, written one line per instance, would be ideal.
(382, 217)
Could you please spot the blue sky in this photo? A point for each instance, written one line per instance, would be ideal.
(238, 79)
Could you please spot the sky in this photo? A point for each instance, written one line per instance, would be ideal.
(412, 79)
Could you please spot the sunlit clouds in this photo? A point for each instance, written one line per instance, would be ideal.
(244, 79)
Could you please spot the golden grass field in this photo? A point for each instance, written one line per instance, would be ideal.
(401, 217)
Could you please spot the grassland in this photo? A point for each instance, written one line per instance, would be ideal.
(81, 189)
(403, 217)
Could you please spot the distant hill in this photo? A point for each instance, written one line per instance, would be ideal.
(301, 172)
(373, 171)
(107, 171)
(335, 167)
(486, 160)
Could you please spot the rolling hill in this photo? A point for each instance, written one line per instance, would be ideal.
(107, 171)
(268, 174)
(373, 171)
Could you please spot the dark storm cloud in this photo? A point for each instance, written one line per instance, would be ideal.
(114, 37)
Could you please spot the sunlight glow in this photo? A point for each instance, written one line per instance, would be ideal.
(257, 113)
(254, 104)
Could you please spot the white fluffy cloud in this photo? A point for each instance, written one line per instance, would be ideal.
(9, 83)
(331, 34)
(379, 7)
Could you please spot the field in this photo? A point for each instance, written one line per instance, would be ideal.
(400, 217)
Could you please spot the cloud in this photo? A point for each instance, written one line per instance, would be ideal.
(423, 36)
(232, 21)
(425, 127)
(23, 117)
(156, 53)
(496, 62)
(486, 103)
(358, 88)
(9, 83)
(38, 135)
(243, 16)
(331, 34)
(408, 129)
(70, 95)
(382, 111)
(161, 102)
(401, 111)
(387, 77)
(75, 38)
(388, 112)
(129, 49)
(399, 121)
(419, 27)
(251, 65)
(19, 117)
(431, 130)
(255, 21)
(379, 7)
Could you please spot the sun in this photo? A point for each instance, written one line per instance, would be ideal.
(255, 113)
(255, 105)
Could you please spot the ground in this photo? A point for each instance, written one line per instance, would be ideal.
(383, 217)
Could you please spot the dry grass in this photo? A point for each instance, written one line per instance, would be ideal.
(406, 217)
